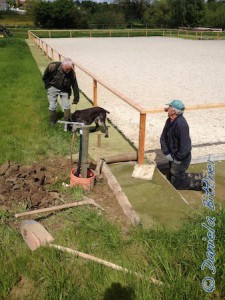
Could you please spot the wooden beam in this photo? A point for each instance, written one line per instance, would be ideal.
(194, 107)
(95, 92)
(141, 146)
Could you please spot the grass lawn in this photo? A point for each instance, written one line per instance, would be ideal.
(172, 256)
(24, 130)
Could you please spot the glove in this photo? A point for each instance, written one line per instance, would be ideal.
(169, 157)
(177, 162)
(75, 101)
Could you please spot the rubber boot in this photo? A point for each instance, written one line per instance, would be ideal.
(196, 185)
(52, 117)
(68, 127)
(66, 114)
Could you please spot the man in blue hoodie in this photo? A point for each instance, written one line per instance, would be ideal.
(176, 146)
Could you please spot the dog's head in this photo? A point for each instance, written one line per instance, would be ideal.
(75, 116)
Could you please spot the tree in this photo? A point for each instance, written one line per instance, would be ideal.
(42, 15)
(59, 14)
(195, 13)
(140, 7)
(133, 8)
(178, 12)
(187, 12)
(90, 7)
(108, 15)
(30, 5)
(158, 14)
(215, 15)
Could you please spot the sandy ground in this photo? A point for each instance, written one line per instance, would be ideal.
(152, 71)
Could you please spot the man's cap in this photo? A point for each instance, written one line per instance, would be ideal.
(178, 104)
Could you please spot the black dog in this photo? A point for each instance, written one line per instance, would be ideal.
(90, 115)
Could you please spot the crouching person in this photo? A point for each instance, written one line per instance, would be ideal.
(59, 78)
(176, 146)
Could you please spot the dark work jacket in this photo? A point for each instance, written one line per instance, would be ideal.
(175, 138)
(54, 76)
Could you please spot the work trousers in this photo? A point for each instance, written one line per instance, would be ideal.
(182, 180)
(53, 94)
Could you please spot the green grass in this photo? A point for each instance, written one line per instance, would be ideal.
(19, 32)
(14, 19)
(174, 257)
(24, 129)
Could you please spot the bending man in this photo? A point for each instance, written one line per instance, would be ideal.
(176, 146)
(59, 78)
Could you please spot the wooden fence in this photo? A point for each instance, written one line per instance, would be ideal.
(54, 55)
(179, 33)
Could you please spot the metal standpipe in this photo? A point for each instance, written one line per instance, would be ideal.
(84, 155)
(84, 131)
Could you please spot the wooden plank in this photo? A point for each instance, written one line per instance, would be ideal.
(120, 195)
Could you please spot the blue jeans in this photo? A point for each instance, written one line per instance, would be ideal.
(53, 94)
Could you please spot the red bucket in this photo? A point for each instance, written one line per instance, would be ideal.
(86, 183)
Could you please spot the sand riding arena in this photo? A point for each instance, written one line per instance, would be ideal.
(150, 72)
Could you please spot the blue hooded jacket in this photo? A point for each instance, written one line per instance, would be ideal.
(175, 138)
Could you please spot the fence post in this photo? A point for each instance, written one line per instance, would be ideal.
(60, 58)
(46, 50)
(141, 146)
(95, 98)
(52, 55)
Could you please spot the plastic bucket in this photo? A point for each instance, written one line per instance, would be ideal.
(86, 183)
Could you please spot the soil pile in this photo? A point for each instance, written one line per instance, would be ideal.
(29, 185)
(36, 186)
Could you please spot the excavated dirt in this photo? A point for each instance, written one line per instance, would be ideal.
(27, 185)
(40, 185)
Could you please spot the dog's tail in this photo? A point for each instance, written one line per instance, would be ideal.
(107, 111)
